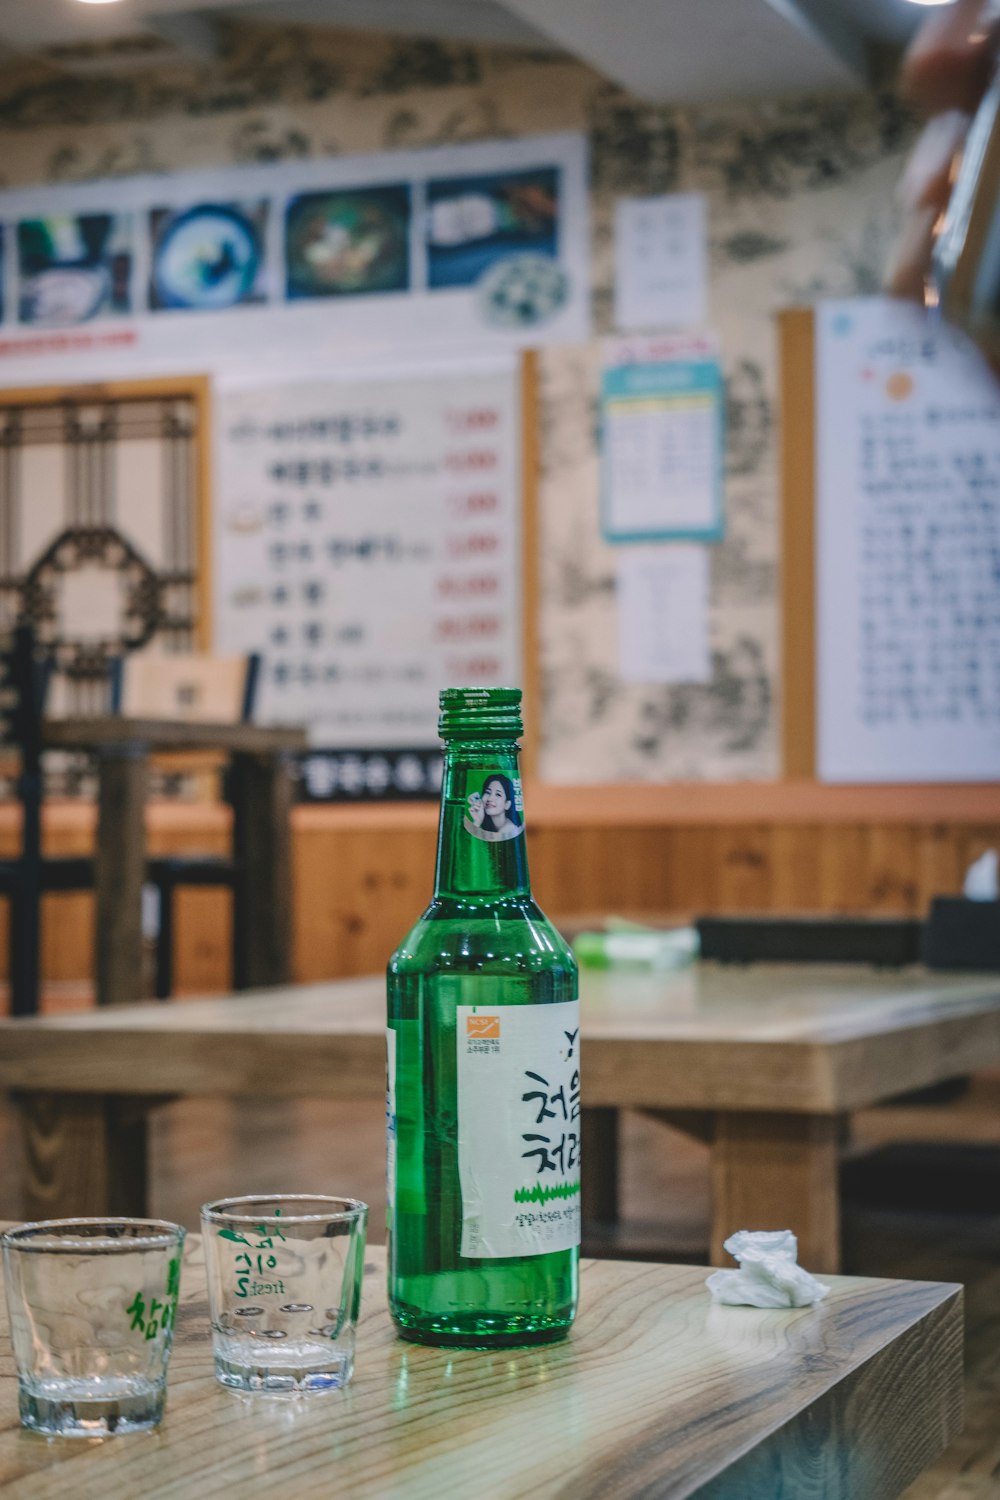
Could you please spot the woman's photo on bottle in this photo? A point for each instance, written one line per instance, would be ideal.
(495, 811)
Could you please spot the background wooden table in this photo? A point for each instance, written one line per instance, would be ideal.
(261, 795)
(656, 1393)
(763, 1062)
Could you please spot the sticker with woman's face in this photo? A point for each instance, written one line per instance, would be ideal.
(496, 809)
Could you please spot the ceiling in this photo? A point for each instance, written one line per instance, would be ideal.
(670, 51)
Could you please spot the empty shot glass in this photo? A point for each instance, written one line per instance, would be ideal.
(284, 1289)
(92, 1304)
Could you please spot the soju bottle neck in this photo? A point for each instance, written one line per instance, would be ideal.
(481, 840)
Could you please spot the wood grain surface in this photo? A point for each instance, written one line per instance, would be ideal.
(119, 871)
(656, 1393)
(169, 734)
(813, 1039)
(363, 873)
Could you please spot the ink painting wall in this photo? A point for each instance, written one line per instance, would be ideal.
(799, 207)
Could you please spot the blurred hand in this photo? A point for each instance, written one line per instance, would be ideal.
(945, 74)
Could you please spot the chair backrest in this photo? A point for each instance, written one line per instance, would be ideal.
(190, 688)
(23, 680)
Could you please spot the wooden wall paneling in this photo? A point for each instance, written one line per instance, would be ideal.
(365, 890)
(843, 861)
(203, 936)
(646, 867)
(745, 875)
(796, 868)
(692, 885)
(938, 864)
(563, 875)
(891, 883)
(68, 920)
(798, 588)
(362, 877)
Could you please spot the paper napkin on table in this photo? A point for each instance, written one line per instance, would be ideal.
(982, 878)
(769, 1273)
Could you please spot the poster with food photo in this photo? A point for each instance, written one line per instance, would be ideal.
(208, 256)
(73, 268)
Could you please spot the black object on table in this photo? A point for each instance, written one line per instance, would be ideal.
(892, 942)
(962, 934)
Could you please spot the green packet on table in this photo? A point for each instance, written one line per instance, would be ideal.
(629, 945)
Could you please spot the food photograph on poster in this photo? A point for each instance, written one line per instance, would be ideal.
(208, 256)
(348, 243)
(472, 222)
(73, 268)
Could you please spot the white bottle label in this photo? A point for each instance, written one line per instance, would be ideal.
(519, 1128)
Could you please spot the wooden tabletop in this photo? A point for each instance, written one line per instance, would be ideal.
(811, 1039)
(169, 734)
(656, 1393)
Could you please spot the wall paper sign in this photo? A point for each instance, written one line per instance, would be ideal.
(370, 774)
(487, 242)
(907, 548)
(662, 439)
(367, 543)
(661, 261)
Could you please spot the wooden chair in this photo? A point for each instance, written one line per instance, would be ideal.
(22, 693)
(207, 688)
(189, 688)
(211, 689)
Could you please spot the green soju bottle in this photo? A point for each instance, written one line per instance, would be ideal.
(483, 1069)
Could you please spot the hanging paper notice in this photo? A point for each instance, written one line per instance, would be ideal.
(907, 549)
(368, 544)
(663, 614)
(662, 439)
(291, 263)
(661, 262)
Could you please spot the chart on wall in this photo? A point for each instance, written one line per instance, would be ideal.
(486, 242)
(368, 545)
(907, 549)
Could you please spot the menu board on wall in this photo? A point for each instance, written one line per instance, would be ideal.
(663, 438)
(479, 243)
(907, 549)
(368, 545)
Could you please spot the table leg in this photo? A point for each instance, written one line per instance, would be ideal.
(119, 872)
(261, 793)
(599, 1166)
(777, 1171)
(84, 1154)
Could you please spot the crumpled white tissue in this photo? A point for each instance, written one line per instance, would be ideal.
(982, 879)
(769, 1275)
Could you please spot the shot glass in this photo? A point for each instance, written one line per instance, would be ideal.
(92, 1304)
(284, 1290)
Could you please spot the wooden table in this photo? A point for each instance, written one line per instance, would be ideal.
(762, 1062)
(656, 1393)
(261, 797)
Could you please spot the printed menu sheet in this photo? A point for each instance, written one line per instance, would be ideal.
(661, 261)
(662, 438)
(368, 544)
(907, 548)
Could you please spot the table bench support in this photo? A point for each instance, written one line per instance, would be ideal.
(119, 872)
(777, 1171)
(261, 794)
(599, 1166)
(84, 1155)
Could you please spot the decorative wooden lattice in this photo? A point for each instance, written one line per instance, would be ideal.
(99, 531)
